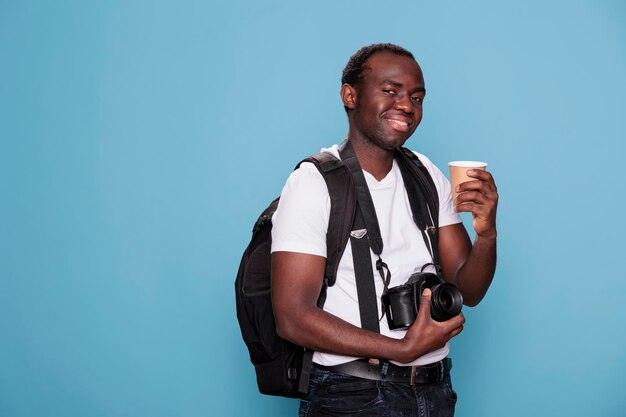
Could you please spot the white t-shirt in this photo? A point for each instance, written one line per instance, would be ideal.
(301, 222)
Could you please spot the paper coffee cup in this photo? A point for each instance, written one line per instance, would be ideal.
(458, 173)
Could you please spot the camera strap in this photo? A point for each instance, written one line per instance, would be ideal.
(365, 235)
(421, 201)
(424, 207)
(365, 285)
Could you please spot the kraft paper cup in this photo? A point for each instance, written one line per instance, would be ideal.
(458, 173)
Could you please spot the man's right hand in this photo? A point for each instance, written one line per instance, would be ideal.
(426, 334)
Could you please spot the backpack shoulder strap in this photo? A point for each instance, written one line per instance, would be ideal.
(342, 209)
(342, 212)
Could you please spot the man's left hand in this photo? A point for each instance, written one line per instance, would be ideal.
(479, 197)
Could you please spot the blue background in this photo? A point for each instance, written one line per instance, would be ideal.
(140, 140)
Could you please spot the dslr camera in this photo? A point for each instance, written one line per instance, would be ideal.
(401, 303)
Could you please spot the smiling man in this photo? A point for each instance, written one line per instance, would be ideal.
(389, 372)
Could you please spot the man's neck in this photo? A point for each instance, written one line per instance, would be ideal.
(377, 161)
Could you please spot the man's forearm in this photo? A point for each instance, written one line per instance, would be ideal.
(296, 285)
(323, 332)
(476, 274)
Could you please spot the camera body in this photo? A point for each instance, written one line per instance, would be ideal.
(401, 303)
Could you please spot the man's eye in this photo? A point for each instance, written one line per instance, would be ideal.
(416, 98)
(392, 92)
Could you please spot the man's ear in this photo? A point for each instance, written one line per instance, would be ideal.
(348, 96)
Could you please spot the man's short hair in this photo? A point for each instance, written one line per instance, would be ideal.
(353, 71)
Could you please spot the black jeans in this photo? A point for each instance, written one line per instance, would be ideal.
(335, 394)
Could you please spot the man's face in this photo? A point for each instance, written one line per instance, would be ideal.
(388, 101)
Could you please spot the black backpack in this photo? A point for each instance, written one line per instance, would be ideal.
(283, 368)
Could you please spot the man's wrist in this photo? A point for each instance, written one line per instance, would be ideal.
(489, 237)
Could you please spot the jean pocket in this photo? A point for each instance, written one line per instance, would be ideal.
(449, 392)
(349, 397)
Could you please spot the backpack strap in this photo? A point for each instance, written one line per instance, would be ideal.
(342, 211)
(344, 184)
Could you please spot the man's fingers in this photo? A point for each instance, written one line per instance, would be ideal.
(424, 310)
(468, 196)
(479, 210)
(456, 331)
(456, 321)
(480, 174)
(456, 324)
(477, 185)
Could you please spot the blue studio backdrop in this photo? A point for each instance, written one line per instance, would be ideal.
(140, 140)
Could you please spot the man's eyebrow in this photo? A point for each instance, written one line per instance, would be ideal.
(392, 83)
(398, 85)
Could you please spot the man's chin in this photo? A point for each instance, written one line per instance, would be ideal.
(391, 142)
(394, 144)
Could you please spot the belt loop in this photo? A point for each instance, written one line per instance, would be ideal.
(383, 371)
(413, 375)
(442, 365)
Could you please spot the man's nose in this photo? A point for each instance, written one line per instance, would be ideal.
(404, 103)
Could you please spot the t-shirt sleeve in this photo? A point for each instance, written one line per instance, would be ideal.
(447, 215)
(300, 222)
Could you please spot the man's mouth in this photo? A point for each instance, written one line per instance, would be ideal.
(399, 125)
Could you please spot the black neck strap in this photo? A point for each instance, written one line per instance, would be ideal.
(366, 205)
(364, 275)
(422, 215)
(366, 234)
(363, 197)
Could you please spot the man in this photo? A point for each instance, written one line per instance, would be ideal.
(383, 92)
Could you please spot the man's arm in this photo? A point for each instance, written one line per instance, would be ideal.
(471, 267)
(296, 285)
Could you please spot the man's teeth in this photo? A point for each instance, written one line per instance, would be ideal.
(398, 122)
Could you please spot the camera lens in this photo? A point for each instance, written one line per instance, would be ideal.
(447, 302)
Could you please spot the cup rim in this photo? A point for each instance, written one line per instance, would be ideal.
(468, 164)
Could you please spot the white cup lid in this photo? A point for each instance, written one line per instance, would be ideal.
(468, 164)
